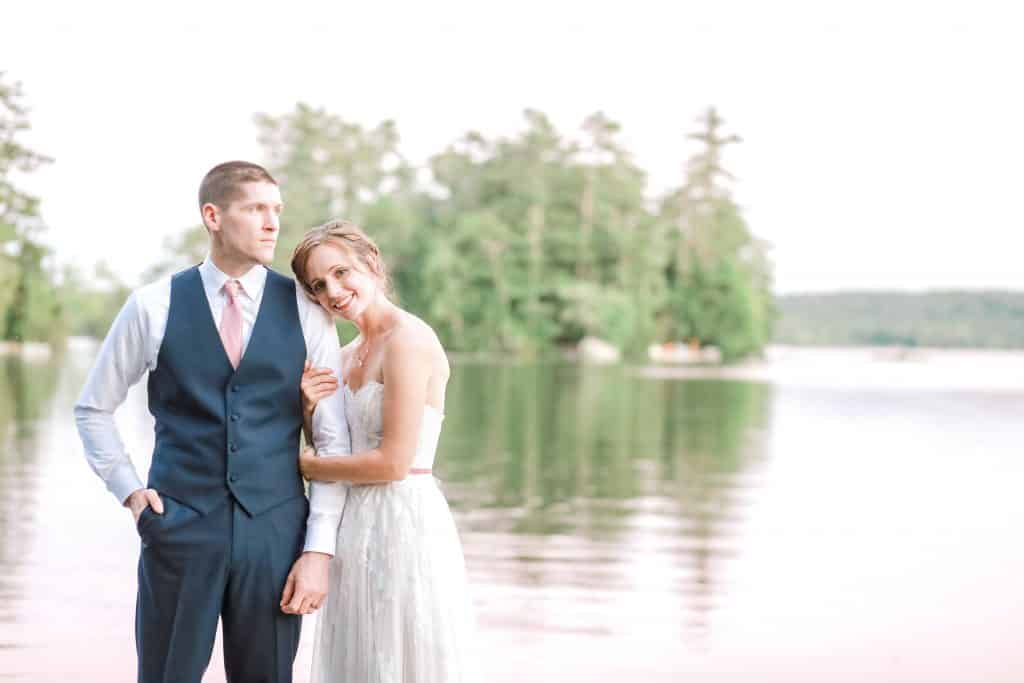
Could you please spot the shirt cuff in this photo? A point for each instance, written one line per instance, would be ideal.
(322, 533)
(123, 481)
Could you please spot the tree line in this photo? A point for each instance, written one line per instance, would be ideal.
(950, 319)
(516, 245)
(521, 245)
(38, 301)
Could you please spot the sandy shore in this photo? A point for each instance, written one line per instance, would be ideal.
(868, 367)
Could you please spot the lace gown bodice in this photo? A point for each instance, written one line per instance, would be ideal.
(363, 410)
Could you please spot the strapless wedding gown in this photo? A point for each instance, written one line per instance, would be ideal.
(397, 610)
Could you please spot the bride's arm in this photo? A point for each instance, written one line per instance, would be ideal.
(407, 367)
(307, 427)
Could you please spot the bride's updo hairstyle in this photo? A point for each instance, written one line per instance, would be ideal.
(351, 238)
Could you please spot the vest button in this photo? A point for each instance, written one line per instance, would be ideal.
(233, 448)
(233, 478)
(235, 388)
(234, 417)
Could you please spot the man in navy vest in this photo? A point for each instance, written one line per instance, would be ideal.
(225, 528)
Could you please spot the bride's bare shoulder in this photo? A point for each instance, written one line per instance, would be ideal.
(413, 334)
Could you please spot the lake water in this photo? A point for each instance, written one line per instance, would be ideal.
(616, 527)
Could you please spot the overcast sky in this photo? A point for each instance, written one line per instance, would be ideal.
(883, 142)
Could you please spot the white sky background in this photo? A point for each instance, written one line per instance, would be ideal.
(883, 142)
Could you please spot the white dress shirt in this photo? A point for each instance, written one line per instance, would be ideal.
(131, 349)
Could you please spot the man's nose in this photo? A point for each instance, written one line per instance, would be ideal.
(271, 221)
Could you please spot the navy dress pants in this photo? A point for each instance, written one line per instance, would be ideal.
(195, 568)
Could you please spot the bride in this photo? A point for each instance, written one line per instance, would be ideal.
(398, 608)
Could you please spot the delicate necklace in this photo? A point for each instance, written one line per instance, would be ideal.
(361, 358)
(366, 346)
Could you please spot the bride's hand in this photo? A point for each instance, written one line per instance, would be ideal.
(307, 463)
(317, 384)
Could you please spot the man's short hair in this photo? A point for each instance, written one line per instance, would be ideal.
(223, 184)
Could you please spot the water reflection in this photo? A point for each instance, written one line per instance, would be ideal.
(616, 528)
(579, 481)
(25, 399)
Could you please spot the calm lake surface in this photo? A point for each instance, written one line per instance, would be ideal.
(616, 528)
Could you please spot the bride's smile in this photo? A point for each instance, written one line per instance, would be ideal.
(341, 283)
(341, 304)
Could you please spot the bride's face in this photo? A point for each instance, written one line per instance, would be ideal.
(340, 282)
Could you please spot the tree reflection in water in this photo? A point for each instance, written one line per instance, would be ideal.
(595, 486)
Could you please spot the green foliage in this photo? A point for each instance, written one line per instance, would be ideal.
(935, 319)
(331, 168)
(35, 312)
(91, 303)
(721, 274)
(30, 308)
(36, 303)
(521, 244)
(514, 244)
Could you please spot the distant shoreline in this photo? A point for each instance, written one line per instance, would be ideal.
(867, 367)
(947, 319)
(27, 350)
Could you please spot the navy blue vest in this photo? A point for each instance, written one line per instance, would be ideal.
(223, 432)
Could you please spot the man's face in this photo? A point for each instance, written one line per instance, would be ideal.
(247, 229)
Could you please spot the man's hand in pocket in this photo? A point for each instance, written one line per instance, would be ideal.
(141, 499)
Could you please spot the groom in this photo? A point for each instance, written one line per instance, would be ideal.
(223, 519)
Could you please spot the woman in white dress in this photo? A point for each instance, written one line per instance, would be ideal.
(398, 608)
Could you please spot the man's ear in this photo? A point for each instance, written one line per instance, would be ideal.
(211, 217)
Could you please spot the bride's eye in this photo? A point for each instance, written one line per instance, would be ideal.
(318, 286)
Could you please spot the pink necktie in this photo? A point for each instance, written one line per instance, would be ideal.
(231, 323)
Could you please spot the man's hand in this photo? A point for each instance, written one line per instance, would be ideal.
(140, 499)
(306, 587)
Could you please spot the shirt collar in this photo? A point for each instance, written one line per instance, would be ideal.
(213, 279)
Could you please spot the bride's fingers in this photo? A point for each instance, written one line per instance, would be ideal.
(317, 393)
(309, 377)
(315, 396)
